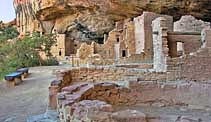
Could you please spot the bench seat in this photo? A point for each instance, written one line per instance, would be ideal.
(24, 71)
(14, 78)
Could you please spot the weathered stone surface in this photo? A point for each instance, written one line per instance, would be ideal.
(190, 24)
(160, 47)
(100, 74)
(90, 110)
(129, 116)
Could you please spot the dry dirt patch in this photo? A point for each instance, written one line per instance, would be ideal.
(29, 98)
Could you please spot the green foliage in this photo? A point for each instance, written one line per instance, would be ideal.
(50, 62)
(24, 52)
(8, 33)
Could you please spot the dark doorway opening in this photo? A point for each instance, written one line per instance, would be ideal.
(60, 52)
(101, 40)
(123, 53)
(117, 39)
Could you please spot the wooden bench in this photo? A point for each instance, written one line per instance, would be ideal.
(13, 79)
(24, 71)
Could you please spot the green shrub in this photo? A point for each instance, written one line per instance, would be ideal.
(50, 62)
(24, 52)
(8, 33)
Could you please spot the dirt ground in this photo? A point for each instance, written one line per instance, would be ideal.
(29, 98)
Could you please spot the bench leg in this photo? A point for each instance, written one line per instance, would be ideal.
(10, 83)
(17, 81)
(24, 75)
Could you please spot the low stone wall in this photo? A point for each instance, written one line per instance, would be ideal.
(97, 74)
(195, 67)
(173, 93)
(139, 66)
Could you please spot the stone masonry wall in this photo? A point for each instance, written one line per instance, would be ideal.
(106, 74)
(194, 67)
(148, 18)
(191, 42)
(160, 46)
(190, 47)
(197, 67)
(173, 93)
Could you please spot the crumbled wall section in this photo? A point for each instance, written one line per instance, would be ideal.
(108, 92)
(189, 23)
(89, 110)
(85, 50)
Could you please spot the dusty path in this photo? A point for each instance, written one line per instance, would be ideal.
(29, 98)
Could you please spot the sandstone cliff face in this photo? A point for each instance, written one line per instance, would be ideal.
(90, 19)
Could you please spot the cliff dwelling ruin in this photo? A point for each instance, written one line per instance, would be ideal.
(138, 63)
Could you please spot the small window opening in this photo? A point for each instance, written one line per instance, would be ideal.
(117, 39)
(60, 52)
(123, 53)
(38, 25)
(101, 40)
